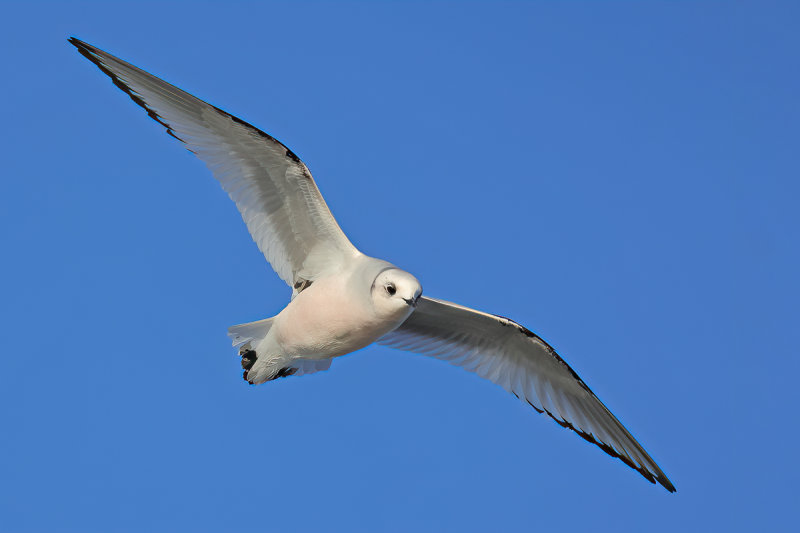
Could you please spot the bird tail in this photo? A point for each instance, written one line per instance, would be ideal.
(250, 339)
(244, 333)
(262, 360)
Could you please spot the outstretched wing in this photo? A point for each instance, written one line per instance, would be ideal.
(508, 354)
(274, 191)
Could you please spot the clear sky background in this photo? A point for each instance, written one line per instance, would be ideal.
(622, 178)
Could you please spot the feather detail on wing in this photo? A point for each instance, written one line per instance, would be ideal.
(273, 190)
(510, 355)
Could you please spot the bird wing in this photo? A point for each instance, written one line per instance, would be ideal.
(502, 351)
(272, 188)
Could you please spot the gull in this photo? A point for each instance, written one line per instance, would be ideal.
(343, 300)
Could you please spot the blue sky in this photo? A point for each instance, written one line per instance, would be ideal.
(622, 178)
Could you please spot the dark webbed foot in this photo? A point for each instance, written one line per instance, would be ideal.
(285, 372)
(248, 355)
(249, 358)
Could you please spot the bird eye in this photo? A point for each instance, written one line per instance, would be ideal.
(391, 289)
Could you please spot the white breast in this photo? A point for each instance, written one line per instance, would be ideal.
(328, 320)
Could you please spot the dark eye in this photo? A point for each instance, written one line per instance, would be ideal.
(390, 289)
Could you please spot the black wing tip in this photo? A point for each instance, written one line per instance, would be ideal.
(662, 480)
(83, 47)
(89, 52)
(652, 477)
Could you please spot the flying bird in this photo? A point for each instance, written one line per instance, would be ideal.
(343, 300)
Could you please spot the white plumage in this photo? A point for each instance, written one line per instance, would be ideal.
(343, 300)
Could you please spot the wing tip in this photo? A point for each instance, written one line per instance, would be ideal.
(91, 53)
(656, 476)
(95, 55)
(653, 476)
(666, 483)
(83, 47)
(86, 49)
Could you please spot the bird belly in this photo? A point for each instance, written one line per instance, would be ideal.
(322, 322)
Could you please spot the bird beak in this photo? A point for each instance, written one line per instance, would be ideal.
(413, 301)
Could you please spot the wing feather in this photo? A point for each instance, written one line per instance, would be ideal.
(510, 355)
(272, 188)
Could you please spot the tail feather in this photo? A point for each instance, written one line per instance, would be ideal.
(309, 366)
(243, 333)
(261, 359)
